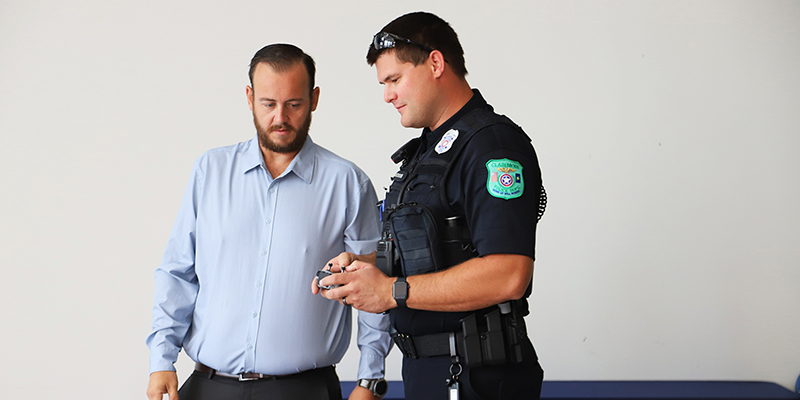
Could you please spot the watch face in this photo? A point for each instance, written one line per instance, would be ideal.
(381, 387)
(400, 290)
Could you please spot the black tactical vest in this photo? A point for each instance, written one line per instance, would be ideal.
(427, 234)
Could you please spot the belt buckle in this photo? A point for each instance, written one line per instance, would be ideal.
(249, 376)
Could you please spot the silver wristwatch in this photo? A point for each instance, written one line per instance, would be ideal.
(378, 387)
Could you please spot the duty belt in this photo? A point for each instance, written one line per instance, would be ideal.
(497, 340)
(436, 344)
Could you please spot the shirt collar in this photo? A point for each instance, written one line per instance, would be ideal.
(302, 165)
(476, 101)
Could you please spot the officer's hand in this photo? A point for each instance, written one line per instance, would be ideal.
(365, 287)
(163, 382)
(335, 264)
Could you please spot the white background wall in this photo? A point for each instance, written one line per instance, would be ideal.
(667, 132)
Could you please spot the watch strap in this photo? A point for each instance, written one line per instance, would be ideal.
(400, 291)
(372, 386)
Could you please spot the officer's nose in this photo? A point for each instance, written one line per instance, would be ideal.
(388, 94)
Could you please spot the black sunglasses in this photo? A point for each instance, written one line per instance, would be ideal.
(386, 40)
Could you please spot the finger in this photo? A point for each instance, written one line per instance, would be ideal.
(336, 266)
(328, 294)
(314, 287)
(357, 265)
(338, 279)
(324, 293)
(156, 389)
(173, 393)
(345, 258)
(338, 293)
(157, 394)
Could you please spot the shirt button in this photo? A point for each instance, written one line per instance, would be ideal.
(263, 252)
(255, 314)
(272, 190)
(269, 220)
(250, 347)
(258, 284)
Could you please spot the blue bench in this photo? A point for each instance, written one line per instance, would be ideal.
(629, 390)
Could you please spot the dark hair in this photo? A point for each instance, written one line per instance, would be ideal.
(427, 29)
(281, 57)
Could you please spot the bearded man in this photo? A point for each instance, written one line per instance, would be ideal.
(256, 222)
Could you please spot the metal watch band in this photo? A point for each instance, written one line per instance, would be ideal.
(378, 387)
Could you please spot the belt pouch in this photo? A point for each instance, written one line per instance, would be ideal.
(470, 346)
(493, 346)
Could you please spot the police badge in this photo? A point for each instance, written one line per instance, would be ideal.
(505, 179)
(447, 141)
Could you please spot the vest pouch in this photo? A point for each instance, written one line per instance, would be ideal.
(416, 240)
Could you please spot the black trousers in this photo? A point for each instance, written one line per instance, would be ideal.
(425, 379)
(317, 384)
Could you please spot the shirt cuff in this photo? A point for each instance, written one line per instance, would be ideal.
(163, 358)
(361, 247)
(371, 365)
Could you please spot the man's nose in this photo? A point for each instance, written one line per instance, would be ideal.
(281, 115)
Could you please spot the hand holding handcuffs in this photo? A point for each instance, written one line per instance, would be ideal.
(327, 272)
(324, 273)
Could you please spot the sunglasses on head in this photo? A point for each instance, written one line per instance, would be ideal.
(386, 40)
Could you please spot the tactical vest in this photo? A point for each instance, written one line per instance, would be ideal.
(421, 232)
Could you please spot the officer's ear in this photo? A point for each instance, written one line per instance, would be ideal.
(437, 63)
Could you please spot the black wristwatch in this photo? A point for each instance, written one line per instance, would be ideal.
(400, 291)
(378, 387)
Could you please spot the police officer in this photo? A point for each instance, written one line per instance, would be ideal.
(455, 265)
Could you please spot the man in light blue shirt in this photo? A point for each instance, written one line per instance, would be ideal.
(256, 222)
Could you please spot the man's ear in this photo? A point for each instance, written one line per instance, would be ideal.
(437, 63)
(249, 91)
(314, 98)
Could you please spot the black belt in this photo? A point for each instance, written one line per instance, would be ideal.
(243, 377)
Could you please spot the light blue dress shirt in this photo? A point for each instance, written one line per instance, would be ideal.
(233, 288)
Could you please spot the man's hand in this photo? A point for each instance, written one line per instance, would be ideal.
(340, 264)
(335, 265)
(365, 287)
(163, 382)
(360, 393)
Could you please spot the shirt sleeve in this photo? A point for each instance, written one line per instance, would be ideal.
(499, 225)
(362, 233)
(374, 344)
(361, 237)
(176, 284)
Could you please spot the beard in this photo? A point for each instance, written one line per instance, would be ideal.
(300, 136)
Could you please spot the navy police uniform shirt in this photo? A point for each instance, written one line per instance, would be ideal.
(495, 185)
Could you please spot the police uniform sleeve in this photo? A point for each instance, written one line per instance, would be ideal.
(496, 184)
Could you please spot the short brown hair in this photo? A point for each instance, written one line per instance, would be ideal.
(427, 29)
(281, 57)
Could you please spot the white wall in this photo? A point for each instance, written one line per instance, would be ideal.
(667, 134)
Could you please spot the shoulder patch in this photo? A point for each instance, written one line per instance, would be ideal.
(447, 141)
(505, 179)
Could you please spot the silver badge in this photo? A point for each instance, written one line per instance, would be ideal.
(447, 141)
